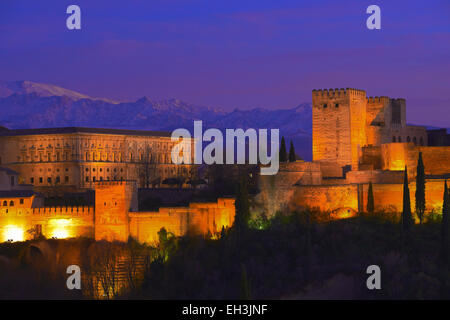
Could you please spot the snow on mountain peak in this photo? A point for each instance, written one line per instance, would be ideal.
(8, 88)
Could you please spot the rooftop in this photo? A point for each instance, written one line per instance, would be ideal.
(69, 130)
(17, 193)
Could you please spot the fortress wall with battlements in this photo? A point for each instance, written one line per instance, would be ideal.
(52, 222)
(197, 219)
(114, 217)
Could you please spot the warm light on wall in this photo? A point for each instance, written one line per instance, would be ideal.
(60, 233)
(14, 233)
(60, 228)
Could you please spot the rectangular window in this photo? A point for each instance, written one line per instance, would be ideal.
(58, 180)
(66, 179)
(87, 179)
(21, 201)
(49, 179)
(31, 180)
(40, 179)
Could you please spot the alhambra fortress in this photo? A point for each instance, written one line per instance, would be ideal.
(356, 140)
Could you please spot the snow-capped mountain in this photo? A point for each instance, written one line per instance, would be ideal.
(25, 104)
(8, 88)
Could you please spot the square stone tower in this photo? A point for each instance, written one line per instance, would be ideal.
(339, 126)
(113, 201)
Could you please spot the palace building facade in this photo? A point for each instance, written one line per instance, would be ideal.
(72, 159)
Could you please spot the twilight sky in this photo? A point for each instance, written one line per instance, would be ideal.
(234, 53)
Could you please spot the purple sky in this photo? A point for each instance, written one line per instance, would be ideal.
(234, 54)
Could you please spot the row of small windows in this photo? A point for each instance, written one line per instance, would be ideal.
(49, 179)
(96, 156)
(40, 157)
(408, 139)
(11, 203)
(50, 169)
(336, 105)
(100, 179)
(118, 157)
(101, 169)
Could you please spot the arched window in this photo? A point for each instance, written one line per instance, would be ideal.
(393, 139)
(408, 139)
(5, 203)
(11, 203)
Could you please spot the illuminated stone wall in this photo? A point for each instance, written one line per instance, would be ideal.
(325, 198)
(113, 201)
(59, 222)
(115, 218)
(277, 190)
(374, 176)
(388, 197)
(396, 155)
(339, 121)
(198, 219)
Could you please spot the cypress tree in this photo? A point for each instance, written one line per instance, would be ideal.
(406, 214)
(420, 189)
(370, 200)
(283, 154)
(445, 223)
(242, 206)
(292, 157)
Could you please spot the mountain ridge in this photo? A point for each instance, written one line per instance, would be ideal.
(26, 104)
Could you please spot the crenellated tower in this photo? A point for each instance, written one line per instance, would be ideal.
(339, 125)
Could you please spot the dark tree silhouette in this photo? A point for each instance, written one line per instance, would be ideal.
(292, 156)
(370, 200)
(283, 154)
(420, 189)
(406, 214)
(445, 224)
(242, 206)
